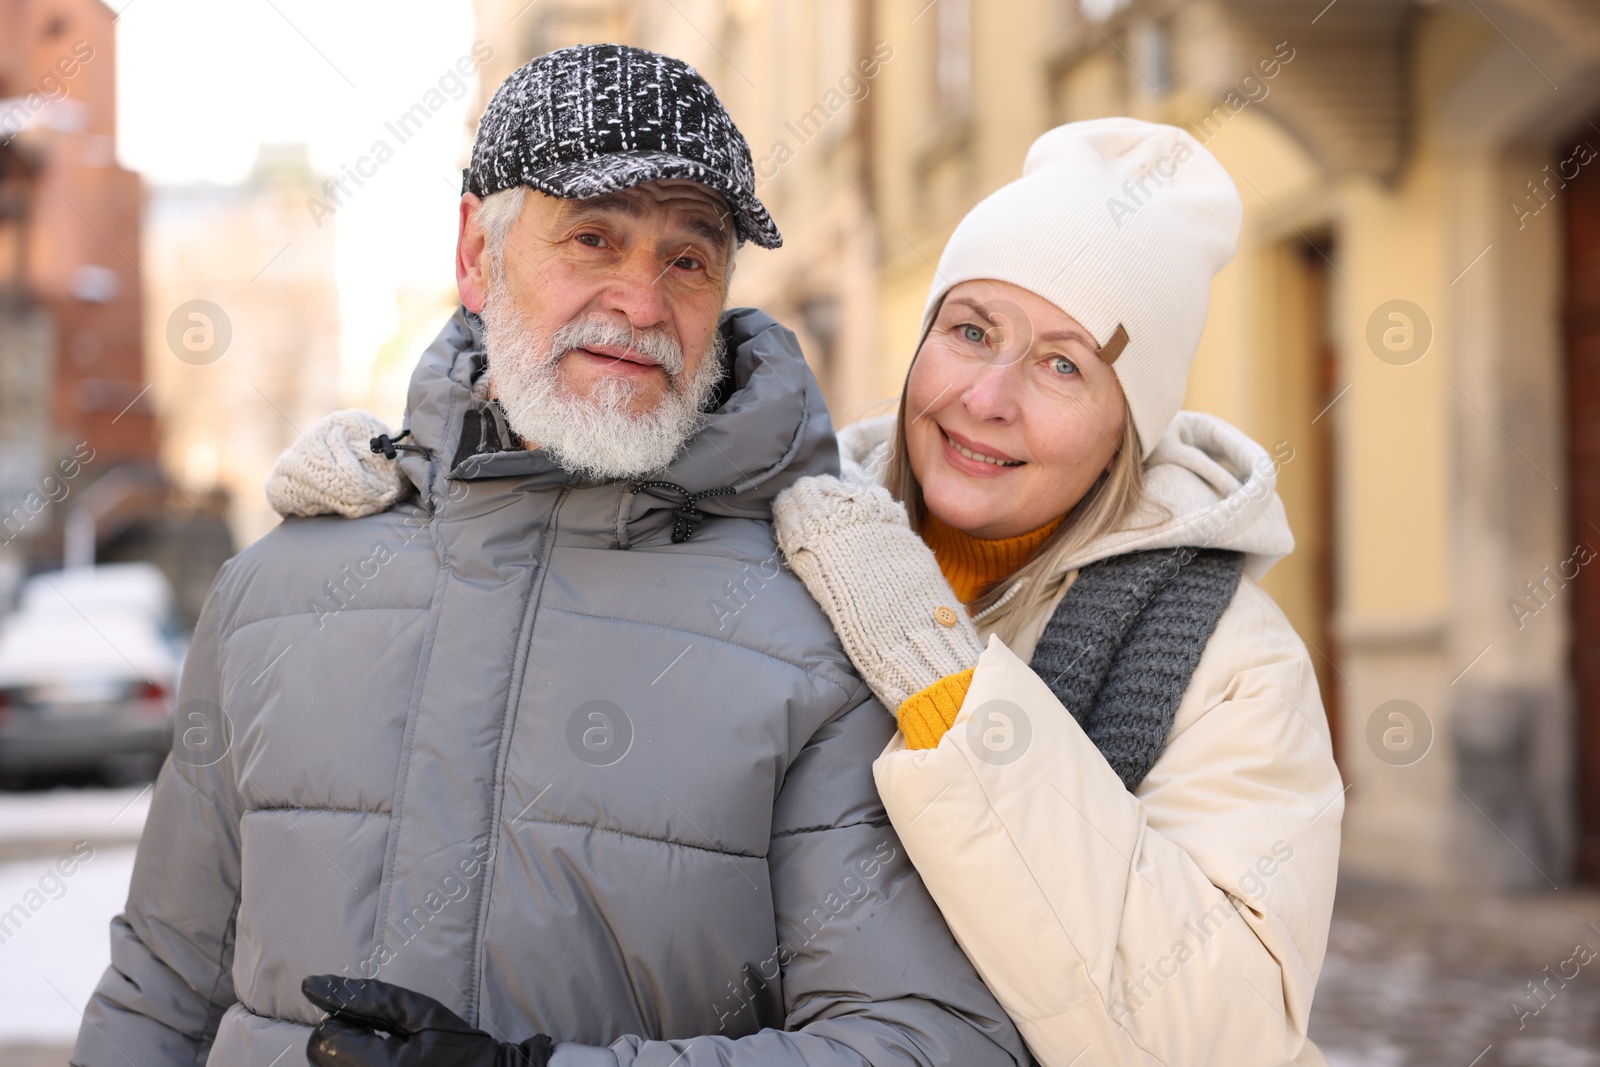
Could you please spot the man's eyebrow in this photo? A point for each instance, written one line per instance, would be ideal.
(714, 232)
(599, 205)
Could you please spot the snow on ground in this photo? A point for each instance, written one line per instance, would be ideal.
(69, 814)
(56, 939)
(1416, 979)
(56, 906)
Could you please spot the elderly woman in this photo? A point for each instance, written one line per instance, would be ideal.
(1113, 769)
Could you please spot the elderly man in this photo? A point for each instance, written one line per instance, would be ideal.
(551, 746)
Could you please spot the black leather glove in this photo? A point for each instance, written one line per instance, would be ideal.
(422, 1032)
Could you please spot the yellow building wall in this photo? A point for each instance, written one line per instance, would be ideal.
(1395, 444)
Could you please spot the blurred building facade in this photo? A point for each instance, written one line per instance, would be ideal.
(235, 377)
(1414, 312)
(81, 478)
(70, 351)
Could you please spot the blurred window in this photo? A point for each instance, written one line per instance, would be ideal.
(1151, 48)
(953, 56)
(835, 57)
(1099, 10)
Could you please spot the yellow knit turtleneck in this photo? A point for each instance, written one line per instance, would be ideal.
(971, 565)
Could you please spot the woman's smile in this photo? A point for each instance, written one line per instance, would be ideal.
(978, 460)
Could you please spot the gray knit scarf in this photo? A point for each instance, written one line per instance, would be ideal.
(1120, 648)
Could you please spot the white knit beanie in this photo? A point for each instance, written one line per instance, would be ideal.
(1117, 222)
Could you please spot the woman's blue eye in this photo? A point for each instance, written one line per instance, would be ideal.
(976, 334)
(1063, 365)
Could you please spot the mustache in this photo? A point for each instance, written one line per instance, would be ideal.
(653, 342)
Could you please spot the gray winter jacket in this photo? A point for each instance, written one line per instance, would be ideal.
(512, 745)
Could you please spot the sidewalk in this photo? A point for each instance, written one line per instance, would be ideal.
(1442, 980)
(55, 941)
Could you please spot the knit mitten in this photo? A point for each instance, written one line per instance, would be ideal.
(331, 470)
(879, 585)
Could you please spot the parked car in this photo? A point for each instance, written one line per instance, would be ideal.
(89, 663)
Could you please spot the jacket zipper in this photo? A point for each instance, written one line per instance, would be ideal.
(519, 673)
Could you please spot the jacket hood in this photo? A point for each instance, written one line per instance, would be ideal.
(771, 429)
(1207, 485)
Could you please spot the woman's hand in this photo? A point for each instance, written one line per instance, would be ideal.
(878, 583)
(331, 469)
(422, 1032)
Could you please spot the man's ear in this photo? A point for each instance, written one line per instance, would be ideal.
(472, 261)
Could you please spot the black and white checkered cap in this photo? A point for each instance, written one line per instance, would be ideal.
(596, 118)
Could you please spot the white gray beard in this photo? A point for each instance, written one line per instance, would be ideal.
(596, 437)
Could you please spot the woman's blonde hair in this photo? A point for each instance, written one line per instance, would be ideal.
(1104, 509)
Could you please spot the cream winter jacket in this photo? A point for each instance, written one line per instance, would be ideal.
(1184, 923)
